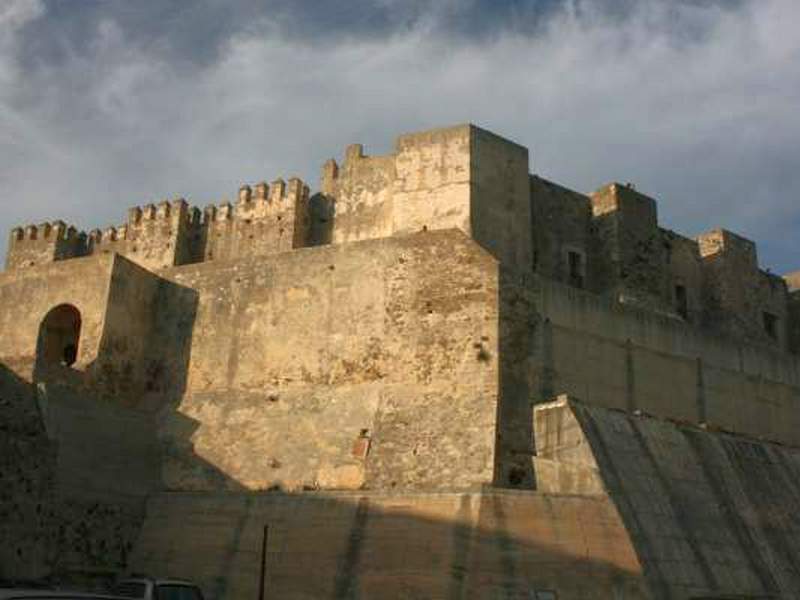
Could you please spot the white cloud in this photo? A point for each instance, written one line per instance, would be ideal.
(695, 104)
(14, 15)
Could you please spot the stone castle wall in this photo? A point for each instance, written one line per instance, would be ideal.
(793, 281)
(481, 544)
(74, 474)
(561, 224)
(372, 364)
(392, 336)
(383, 360)
(635, 360)
(627, 507)
(120, 353)
(556, 339)
(466, 178)
(27, 295)
(713, 282)
(586, 301)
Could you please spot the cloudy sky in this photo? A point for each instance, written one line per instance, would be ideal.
(106, 104)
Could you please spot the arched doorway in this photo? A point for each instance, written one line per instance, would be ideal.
(59, 335)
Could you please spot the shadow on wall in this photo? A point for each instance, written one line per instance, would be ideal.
(521, 337)
(455, 546)
(75, 471)
(27, 467)
(492, 544)
(323, 213)
(76, 467)
(143, 354)
(496, 543)
(167, 353)
(166, 359)
(150, 377)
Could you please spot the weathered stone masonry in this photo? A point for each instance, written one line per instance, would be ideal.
(370, 368)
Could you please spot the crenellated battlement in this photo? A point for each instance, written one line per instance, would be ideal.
(55, 231)
(608, 242)
(34, 245)
(152, 235)
(263, 220)
(266, 218)
(164, 211)
(260, 201)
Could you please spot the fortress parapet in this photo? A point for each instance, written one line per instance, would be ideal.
(460, 177)
(608, 242)
(740, 298)
(155, 236)
(35, 245)
(630, 252)
(266, 219)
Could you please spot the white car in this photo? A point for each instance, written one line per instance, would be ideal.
(43, 594)
(144, 588)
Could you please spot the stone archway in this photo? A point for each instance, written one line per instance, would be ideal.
(59, 337)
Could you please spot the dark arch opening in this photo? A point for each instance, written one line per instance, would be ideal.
(59, 335)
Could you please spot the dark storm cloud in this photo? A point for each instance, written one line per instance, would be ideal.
(196, 31)
(106, 104)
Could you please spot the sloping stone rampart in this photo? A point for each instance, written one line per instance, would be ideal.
(711, 515)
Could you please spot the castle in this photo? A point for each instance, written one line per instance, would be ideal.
(439, 376)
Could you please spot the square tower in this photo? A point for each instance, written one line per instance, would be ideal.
(460, 177)
(629, 260)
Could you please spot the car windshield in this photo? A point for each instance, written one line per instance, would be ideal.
(130, 589)
(172, 591)
(57, 596)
